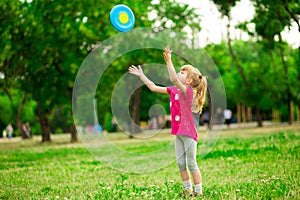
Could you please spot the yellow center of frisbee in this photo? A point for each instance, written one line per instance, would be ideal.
(123, 17)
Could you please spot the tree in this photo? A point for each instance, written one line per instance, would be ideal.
(11, 58)
(224, 8)
(270, 20)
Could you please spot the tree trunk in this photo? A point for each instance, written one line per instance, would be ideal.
(234, 57)
(135, 111)
(7, 92)
(73, 128)
(287, 84)
(292, 112)
(298, 112)
(44, 122)
(275, 115)
(73, 134)
(249, 114)
(241, 72)
(238, 109)
(258, 116)
(243, 109)
(292, 15)
(19, 116)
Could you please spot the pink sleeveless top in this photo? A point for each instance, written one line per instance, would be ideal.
(181, 112)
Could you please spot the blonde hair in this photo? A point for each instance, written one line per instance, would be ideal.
(199, 85)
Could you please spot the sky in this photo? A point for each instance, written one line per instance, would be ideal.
(214, 28)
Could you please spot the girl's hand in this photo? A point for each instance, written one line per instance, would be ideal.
(167, 54)
(137, 71)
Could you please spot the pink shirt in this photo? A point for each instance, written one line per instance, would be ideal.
(181, 112)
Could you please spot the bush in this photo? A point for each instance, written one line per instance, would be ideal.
(107, 122)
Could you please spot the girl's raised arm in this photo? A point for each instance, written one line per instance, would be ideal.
(172, 73)
(138, 71)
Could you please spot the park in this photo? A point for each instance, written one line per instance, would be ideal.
(87, 110)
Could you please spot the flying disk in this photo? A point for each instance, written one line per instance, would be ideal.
(122, 18)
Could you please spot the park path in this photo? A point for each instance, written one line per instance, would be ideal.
(250, 127)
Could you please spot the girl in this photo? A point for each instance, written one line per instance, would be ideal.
(186, 96)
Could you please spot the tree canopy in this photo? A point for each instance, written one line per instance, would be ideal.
(45, 42)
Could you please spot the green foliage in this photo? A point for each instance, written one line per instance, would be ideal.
(149, 100)
(271, 17)
(28, 114)
(44, 43)
(10, 108)
(60, 120)
(225, 6)
(5, 107)
(264, 73)
(58, 36)
(174, 15)
(35, 129)
(108, 122)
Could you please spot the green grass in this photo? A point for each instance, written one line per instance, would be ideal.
(244, 164)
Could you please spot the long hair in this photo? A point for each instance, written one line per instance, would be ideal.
(199, 85)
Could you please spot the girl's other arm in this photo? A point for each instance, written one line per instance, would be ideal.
(137, 71)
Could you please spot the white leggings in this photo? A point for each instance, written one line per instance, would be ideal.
(186, 148)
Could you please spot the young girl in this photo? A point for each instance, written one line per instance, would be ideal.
(186, 96)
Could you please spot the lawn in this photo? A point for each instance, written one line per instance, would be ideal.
(249, 163)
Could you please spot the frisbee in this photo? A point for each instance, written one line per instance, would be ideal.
(122, 18)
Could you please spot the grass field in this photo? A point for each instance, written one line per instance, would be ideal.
(253, 163)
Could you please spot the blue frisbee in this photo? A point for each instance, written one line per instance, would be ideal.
(122, 18)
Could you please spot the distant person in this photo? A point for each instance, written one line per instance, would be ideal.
(9, 130)
(100, 129)
(26, 129)
(181, 94)
(114, 124)
(227, 116)
(196, 117)
(154, 123)
(220, 116)
(205, 119)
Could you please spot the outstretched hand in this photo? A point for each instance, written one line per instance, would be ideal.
(167, 54)
(137, 71)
